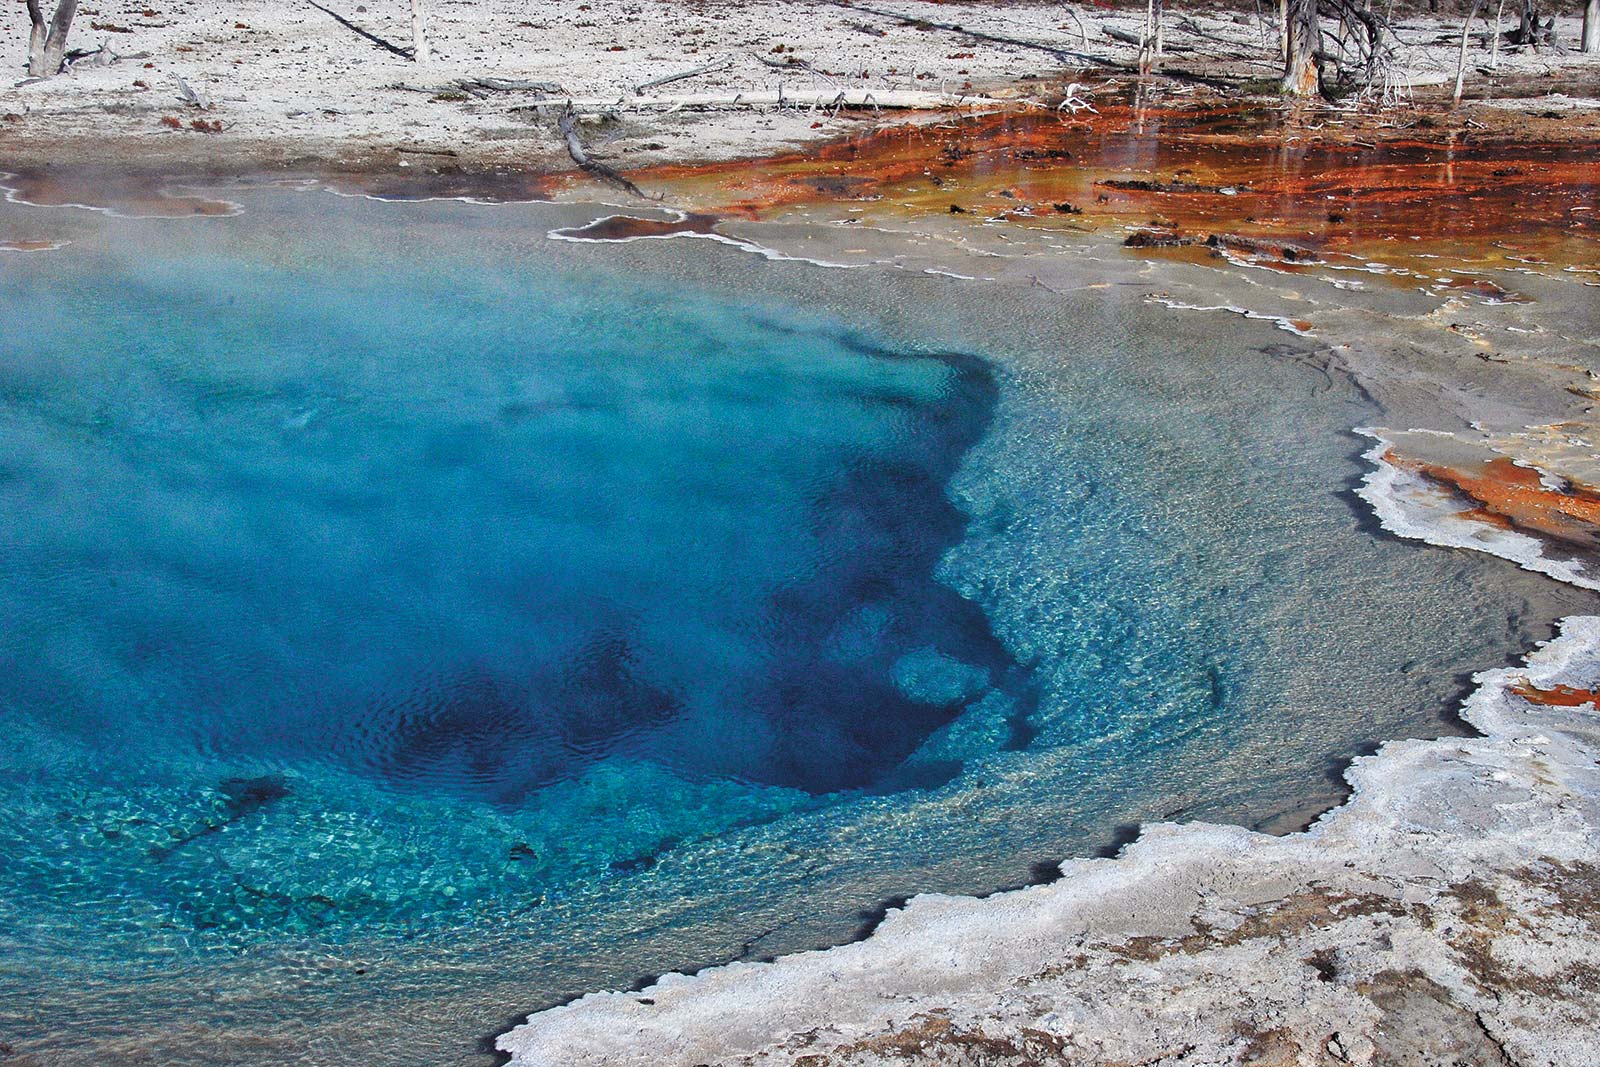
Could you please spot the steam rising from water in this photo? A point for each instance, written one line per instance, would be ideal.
(411, 620)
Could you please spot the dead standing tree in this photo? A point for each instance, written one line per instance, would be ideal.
(419, 33)
(1461, 57)
(47, 41)
(1590, 41)
(1533, 31)
(1152, 42)
(1301, 32)
(1357, 54)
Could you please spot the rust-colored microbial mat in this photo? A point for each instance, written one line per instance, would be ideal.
(1328, 183)
(1516, 495)
(1560, 696)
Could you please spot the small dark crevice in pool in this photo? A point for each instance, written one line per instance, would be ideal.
(486, 1045)
(1044, 872)
(1040, 872)
(1335, 767)
(1122, 835)
(872, 918)
(747, 951)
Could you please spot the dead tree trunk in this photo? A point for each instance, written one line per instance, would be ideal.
(1529, 30)
(1461, 57)
(419, 34)
(1590, 42)
(1300, 65)
(36, 38)
(1151, 40)
(47, 41)
(567, 124)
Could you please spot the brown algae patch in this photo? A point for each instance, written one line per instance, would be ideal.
(31, 245)
(122, 194)
(634, 228)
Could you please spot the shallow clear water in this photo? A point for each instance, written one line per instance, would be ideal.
(407, 621)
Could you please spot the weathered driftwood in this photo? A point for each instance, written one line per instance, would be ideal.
(833, 99)
(567, 123)
(482, 87)
(509, 85)
(1075, 102)
(709, 68)
(192, 96)
(99, 57)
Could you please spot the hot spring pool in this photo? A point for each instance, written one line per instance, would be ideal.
(408, 621)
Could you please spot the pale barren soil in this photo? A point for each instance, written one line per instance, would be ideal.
(302, 82)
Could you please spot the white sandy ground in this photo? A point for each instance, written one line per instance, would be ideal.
(289, 83)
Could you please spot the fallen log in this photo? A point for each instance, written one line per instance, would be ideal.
(1262, 249)
(1158, 239)
(567, 123)
(1146, 185)
(709, 68)
(790, 63)
(832, 99)
(508, 85)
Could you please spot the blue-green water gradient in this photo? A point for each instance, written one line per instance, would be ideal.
(407, 621)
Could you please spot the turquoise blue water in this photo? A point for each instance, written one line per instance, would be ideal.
(407, 621)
